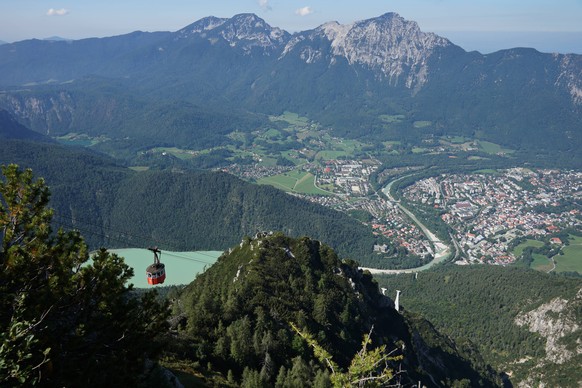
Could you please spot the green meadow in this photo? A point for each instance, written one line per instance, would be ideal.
(457, 139)
(492, 148)
(292, 119)
(571, 260)
(541, 263)
(330, 154)
(296, 181)
(518, 250)
(392, 118)
(422, 124)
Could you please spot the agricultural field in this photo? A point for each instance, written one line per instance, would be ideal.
(329, 154)
(349, 146)
(293, 119)
(571, 260)
(177, 152)
(541, 263)
(422, 124)
(273, 134)
(458, 143)
(457, 139)
(392, 118)
(294, 181)
(492, 148)
(294, 156)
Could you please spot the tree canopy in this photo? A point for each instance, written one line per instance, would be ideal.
(65, 318)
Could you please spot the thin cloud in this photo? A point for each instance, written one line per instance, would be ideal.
(57, 12)
(264, 4)
(304, 11)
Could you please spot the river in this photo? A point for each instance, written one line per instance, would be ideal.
(442, 250)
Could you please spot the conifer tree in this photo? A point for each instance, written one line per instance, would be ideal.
(64, 320)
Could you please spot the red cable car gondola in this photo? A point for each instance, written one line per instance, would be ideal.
(156, 272)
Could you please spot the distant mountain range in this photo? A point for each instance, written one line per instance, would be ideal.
(57, 39)
(348, 77)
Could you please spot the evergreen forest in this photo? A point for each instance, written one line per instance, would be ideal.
(273, 311)
(482, 304)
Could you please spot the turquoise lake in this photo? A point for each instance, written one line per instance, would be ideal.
(181, 267)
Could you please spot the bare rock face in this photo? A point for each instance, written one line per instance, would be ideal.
(389, 44)
(246, 31)
(554, 321)
(41, 113)
(571, 76)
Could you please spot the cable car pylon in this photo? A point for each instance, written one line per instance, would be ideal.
(156, 272)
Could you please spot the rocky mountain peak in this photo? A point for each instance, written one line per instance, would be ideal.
(395, 47)
(248, 31)
(245, 31)
(205, 24)
(391, 44)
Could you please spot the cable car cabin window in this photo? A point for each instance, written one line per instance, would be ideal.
(156, 274)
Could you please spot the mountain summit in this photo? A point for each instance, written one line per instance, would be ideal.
(388, 44)
(346, 77)
(244, 31)
(241, 312)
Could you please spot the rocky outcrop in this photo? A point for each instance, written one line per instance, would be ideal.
(554, 321)
(571, 76)
(41, 113)
(389, 44)
(246, 31)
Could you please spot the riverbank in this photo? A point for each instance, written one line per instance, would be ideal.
(442, 250)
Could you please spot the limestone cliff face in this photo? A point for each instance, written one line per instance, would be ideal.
(42, 113)
(570, 76)
(556, 322)
(389, 44)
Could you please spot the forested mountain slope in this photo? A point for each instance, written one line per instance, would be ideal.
(273, 311)
(240, 313)
(180, 210)
(524, 322)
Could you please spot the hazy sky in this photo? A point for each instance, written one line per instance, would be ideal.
(484, 25)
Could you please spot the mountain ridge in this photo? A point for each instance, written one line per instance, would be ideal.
(258, 289)
(387, 66)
